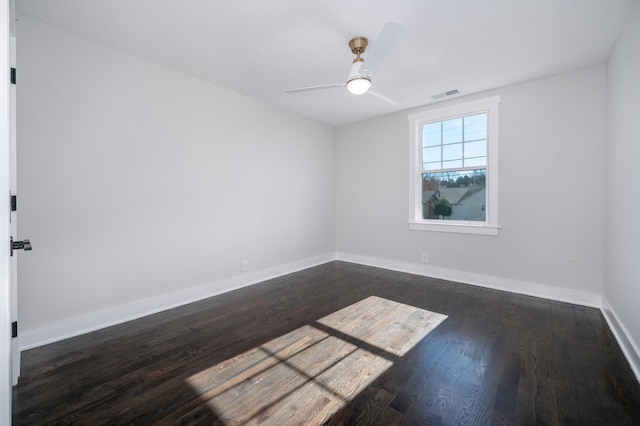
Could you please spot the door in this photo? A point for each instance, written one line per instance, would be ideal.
(17, 245)
(5, 295)
(13, 266)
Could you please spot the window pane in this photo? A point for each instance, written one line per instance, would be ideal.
(431, 134)
(432, 166)
(451, 164)
(452, 130)
(452, 152)
(475, 127)
(455, 195)
(475, 149)
(432, 154)
(474, 162)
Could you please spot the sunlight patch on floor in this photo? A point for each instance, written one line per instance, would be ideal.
(307, 375)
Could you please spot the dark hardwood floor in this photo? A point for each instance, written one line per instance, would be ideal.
(339, 344)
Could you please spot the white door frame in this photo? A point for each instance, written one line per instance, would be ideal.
(5, 207)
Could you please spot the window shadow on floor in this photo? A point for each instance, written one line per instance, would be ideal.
(308, 375)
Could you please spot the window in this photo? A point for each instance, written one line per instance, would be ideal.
(454, 168)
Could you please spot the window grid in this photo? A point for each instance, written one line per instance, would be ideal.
(442, 144)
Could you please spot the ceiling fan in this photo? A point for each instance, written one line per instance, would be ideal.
(361, 73)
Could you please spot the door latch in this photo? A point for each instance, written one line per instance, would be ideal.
(20, 245)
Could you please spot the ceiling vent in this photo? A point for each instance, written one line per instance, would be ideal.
(445, 94)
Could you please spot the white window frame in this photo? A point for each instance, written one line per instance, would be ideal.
(488, 227)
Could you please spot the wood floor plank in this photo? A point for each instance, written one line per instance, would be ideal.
(339, 344)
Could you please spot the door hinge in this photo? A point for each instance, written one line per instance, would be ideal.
(13, 76)
(14, 203)
(14, 329)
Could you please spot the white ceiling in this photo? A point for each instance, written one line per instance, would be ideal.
(262, 47)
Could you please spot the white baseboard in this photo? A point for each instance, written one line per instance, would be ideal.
(544, 291)
(93, 321)
(627, 344)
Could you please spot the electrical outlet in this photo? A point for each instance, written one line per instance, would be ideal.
(425, 258)
(244, 265)
(572, 256)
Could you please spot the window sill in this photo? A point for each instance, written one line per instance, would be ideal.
(458, 228)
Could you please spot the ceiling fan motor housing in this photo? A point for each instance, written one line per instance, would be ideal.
(358, 45)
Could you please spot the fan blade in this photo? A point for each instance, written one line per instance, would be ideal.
(389, 37)
(383, 97)
(311, 88)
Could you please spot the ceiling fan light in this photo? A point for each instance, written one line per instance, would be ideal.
(358, 85)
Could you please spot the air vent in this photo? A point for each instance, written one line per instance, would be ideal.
(445, 94)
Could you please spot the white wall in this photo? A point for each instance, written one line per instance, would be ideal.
(552, 134)
(138, 181)
(622, 254)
